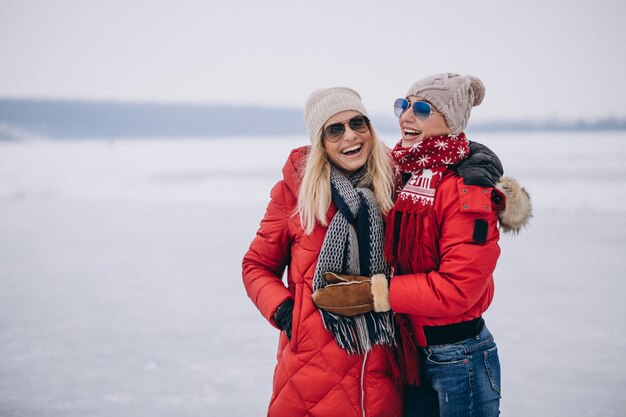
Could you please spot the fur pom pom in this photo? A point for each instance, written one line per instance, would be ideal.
(478, 88)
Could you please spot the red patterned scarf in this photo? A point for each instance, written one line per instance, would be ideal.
(426, 161)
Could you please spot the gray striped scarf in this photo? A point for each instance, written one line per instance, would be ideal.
(354, 245)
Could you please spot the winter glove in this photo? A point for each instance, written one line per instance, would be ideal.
(283, 316)
(351, 295)
(482, 167)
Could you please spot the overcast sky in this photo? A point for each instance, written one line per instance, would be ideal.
(537, 58)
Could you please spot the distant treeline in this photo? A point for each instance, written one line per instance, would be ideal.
(31, 118)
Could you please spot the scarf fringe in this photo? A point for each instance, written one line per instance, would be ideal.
(403, 243)
(358, 334)
(407, 352)
(395, 371)
(409, 242)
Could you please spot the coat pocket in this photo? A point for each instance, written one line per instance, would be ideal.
(297, 314)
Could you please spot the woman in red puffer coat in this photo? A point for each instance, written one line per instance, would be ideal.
(325, 215)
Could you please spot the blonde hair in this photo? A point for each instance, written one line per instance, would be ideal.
(315, 197)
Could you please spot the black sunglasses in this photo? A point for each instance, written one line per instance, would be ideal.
(421, 109)
(335, 131)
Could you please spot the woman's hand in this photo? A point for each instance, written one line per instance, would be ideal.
(284, 316)
(351, 295)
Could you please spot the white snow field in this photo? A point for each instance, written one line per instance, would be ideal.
(121, 293)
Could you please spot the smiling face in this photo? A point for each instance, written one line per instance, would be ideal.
(351, 152)
(415, 130)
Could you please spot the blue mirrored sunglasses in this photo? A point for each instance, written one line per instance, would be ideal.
(421, 109)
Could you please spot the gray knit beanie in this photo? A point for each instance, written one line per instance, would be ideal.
(452, 94)
(324, 103)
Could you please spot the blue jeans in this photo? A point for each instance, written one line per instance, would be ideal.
(457, 380)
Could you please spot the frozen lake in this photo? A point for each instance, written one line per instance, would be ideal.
(121, 293)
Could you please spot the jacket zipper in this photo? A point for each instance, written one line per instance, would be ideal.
(363, 384)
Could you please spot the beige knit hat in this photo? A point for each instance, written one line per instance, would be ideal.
(324, 103)
(452, 94)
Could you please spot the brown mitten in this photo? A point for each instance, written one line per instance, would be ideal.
(351, 295)
(332, 278)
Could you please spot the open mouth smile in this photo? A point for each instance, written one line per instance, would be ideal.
(411, 132)
(352, 150)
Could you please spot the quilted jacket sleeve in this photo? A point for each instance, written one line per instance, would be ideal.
(264, 263)
(466, 265)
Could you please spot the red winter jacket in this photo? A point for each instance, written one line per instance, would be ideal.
(313, 376)
(460, 287)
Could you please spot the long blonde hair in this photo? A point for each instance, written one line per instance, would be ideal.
(314, 197)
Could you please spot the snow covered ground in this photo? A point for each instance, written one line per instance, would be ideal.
(121, 293)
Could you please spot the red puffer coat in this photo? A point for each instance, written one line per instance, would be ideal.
(313, 377)
(459, 286)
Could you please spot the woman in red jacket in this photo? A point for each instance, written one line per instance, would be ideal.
(325, 215)
(442, 245)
